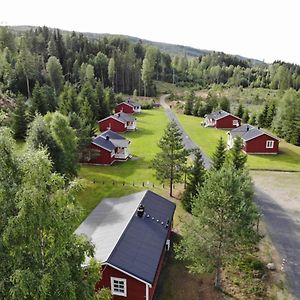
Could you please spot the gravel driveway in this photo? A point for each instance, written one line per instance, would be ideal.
(187, 142)
(278, 196)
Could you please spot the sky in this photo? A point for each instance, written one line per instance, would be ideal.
(262, 29)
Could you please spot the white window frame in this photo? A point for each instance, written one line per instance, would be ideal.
(235, 122)
(118, 292)
(269, 144)
(168, 245)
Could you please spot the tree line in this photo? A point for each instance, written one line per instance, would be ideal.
(114, 61)
(231, 71)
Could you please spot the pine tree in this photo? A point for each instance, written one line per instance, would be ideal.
(38, 102)
(262, 117)
(219, 155)
(246, 116)
(253, 120)
(112, 72)
(222, 225)
(240, 111)
(170, 162)
(270, 115)
(189, 103)
(225, 104)
(237, 158)
(196, 178)
(19, 119)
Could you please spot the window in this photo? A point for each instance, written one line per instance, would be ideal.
(118, 286)
(168, 244)
(235, 122)
(270, 144)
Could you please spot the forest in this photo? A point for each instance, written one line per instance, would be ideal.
(44, 70)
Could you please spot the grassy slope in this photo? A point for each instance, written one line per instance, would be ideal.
(151, 124)
(206, 138)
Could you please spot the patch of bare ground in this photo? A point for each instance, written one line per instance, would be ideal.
(6, 102)
(202, 94)
(254, 280)
(176, 283)
(283, 187)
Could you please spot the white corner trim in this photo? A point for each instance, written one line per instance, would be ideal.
(147, 292)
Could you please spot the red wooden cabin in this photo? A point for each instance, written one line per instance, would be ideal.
(256, 141)
(222, 119)
(131, 235)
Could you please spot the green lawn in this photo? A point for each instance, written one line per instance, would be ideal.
(206, 138)
(107, 181)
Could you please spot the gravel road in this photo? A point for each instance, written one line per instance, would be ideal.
(188, 143)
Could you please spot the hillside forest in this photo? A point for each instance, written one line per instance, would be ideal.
(45, 70)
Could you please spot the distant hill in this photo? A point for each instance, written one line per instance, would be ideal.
(172, 49)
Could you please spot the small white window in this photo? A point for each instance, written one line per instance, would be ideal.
(168, 244)
(270, 144)
(235, 122)
(118, 286)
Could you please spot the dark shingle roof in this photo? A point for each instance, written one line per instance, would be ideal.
(111, 143)
(112, 135)
(133, 103)
(126, 241)
(248, 132)
(219, 115)
(102, 142)
(124, 117)
(140, 247)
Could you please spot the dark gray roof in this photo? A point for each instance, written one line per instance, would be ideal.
(219, 115)
(139, 249)
(136, 244)
(248, 132)
(133, 103)
(112, 135)
(102, 142)
(115, 140)
(124, 117)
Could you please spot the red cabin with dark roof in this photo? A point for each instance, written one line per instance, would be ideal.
(119, 122)
(131, 236)
(256, 141)
(129, 107)
(105, 149)
(222, 119)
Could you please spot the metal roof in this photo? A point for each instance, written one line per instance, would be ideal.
(137, 250)
(106, 223)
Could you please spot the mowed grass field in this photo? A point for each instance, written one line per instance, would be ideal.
(107, 181)
(206, 138)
